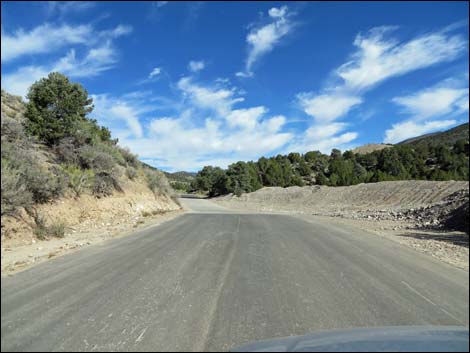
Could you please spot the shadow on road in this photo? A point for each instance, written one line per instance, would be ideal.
(452, 238)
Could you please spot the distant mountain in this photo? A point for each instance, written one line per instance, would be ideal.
(448, 137)
(181, 176)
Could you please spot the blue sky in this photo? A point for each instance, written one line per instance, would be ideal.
(188, 84)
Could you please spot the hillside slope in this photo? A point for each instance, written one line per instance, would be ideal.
(79, 184)
(371, 147)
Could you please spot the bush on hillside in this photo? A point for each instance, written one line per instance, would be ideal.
(156, 181)
(92, 158)
(13, 131)
(44, 184)
(14, 191)
(129, 157)
(44, 231)
(105, 183)
(79, 180)
(131, 173)
(66, 151)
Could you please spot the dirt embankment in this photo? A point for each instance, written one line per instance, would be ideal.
(87, 220)
(400, 200)
(429, 216)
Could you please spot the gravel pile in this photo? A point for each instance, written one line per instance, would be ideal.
(421, 204)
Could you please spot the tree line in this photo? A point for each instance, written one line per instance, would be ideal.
(399, 162)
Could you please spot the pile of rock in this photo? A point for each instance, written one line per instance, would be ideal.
(450, 213)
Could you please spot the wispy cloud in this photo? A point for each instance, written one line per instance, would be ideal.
(48, 38)
(262, 39)
(100, 54)
(155, 72)
(130, 109)
(207, 129)
(377, 57)
(62, 8)
(195, 66)
(407, 129)
(96, 61)
(193, 11)
(216, 98)
(327, 107)
(42, 39)
(434, 102)
(430, 110)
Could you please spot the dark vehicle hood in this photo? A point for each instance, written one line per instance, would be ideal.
(380, 339)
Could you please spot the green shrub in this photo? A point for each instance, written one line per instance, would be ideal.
(14, 191)
(91, 158)
(44, 185)
(66, 151)
(43, 231)
(131, 173)
(129, 157)
(156, 181)
(79, 180)
(105, 184)
(57, 229)
(112, 151)
(12, 130)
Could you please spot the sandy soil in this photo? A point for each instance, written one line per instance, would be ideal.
(20, 257)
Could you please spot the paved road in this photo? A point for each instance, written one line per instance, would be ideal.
(214, 279)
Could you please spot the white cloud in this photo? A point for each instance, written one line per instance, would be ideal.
(42, 39)
(119, 31)
(48, 38)
(323, 137)
(92, 64)
(155, 72)
(65, 7)
(429, 110)
(407, 129)
(18, 82)
(99, 56)
(243, 74)
(111, 111)
(375, 60)
(207, 129)
(217, 99)
(183, 146)
(195, 66)
(262, 40)
(327, 107)
(245, 118)
(434, 102)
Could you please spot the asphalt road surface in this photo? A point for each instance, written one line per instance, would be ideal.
(213, 279)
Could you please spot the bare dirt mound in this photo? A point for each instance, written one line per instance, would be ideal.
(371, 147)
(423, 202)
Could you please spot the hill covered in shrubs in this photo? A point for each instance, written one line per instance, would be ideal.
(51, 148)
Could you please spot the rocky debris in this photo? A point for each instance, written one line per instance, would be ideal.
(417, 203)
(450, 213)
